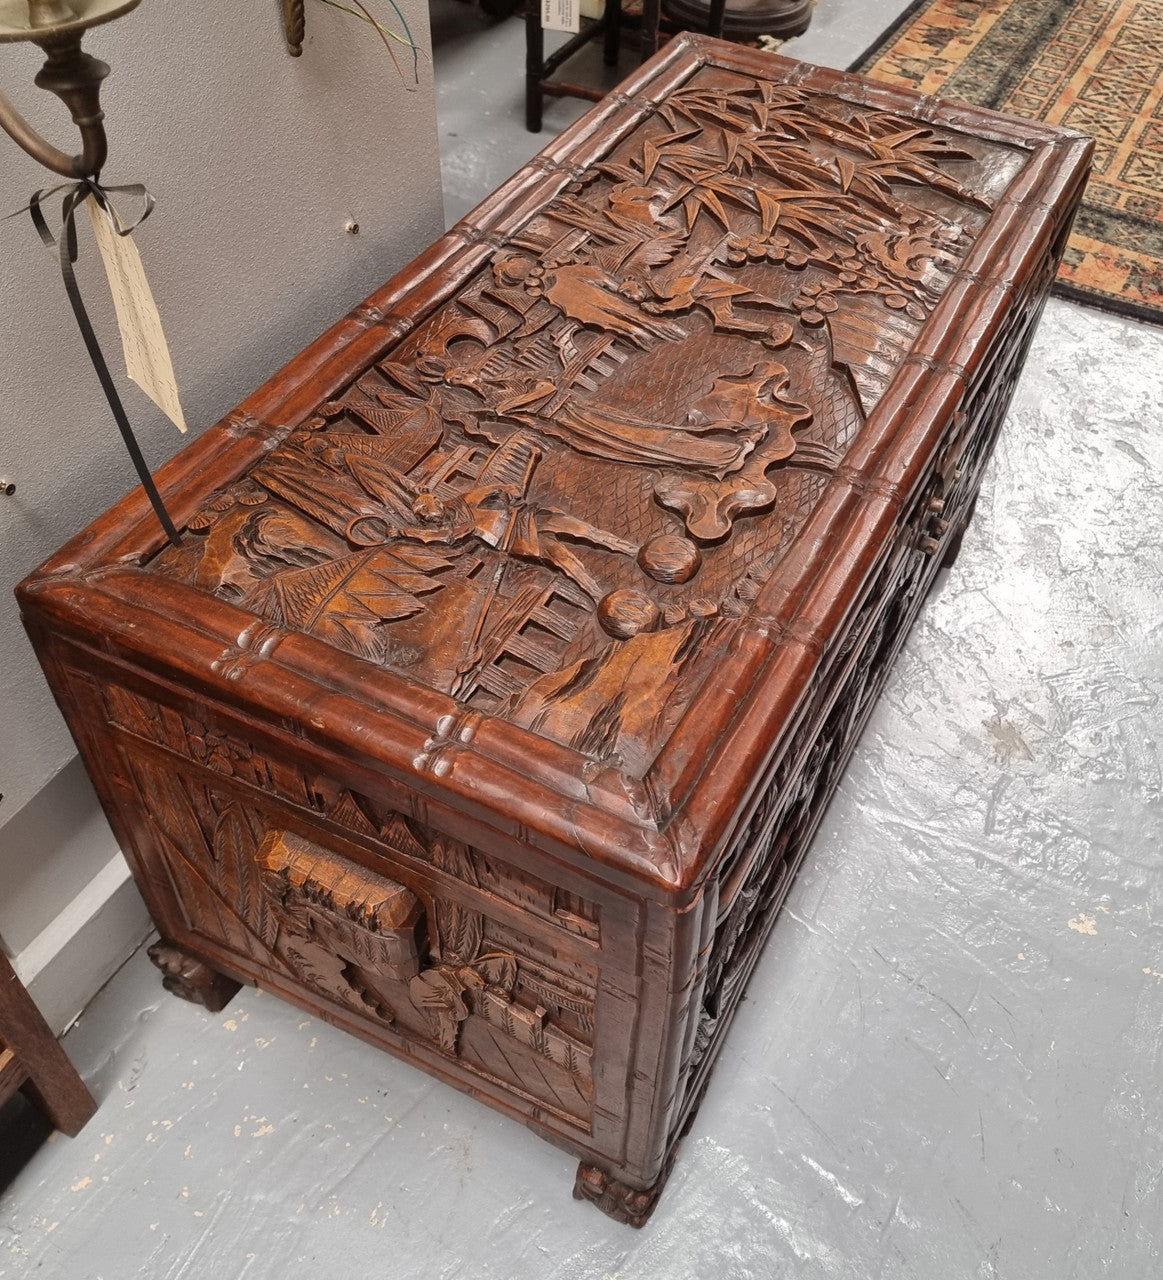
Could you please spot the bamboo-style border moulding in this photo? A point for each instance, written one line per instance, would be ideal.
(521, 627)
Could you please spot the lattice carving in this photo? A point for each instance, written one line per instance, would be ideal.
(756, 871)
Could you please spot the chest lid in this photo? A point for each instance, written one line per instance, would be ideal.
(557, 495)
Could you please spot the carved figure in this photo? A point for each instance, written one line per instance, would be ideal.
(540, 489)
(590, 296)
(691, 281)
(495, 512)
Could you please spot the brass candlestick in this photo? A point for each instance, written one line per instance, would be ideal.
(57, 27)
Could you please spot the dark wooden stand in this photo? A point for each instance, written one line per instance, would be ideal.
(33, 1062)
(539, 68)
(742, 19)
(780, 18)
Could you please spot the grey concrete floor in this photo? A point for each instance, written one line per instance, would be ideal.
(948, 1063)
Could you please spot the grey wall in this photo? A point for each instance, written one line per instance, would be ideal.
(257, 161)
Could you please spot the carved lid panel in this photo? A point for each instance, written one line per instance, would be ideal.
(554, 499)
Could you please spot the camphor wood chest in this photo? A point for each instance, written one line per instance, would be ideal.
(521, 627)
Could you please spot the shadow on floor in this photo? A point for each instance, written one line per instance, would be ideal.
(23, 1131)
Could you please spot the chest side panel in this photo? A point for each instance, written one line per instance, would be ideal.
(507, 980)
(750, 881)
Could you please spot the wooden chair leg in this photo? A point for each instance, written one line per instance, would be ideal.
(534, 66)
(651, 17)
(613, 33)
(716, 17)
(31, 1059)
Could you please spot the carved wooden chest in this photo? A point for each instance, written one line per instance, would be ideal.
(521, 627)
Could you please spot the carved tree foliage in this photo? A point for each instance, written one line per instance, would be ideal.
(565, 475)
(432, 966)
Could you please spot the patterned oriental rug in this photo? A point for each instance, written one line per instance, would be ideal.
(1093, 65)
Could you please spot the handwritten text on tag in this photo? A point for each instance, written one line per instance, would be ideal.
(147, 357)
(561, 15)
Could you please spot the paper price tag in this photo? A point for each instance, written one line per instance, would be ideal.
(147, 357)
(561, 15)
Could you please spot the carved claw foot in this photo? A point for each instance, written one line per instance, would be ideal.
(623, 1203)
(192, 979)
